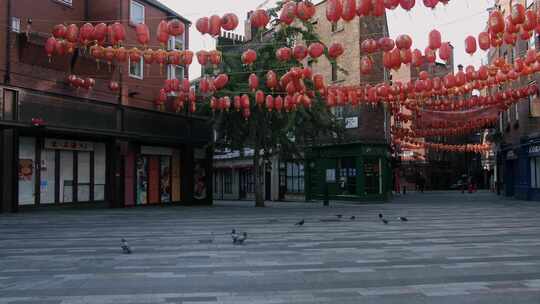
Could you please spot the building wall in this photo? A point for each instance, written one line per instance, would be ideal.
(31, 68)
(371, 120)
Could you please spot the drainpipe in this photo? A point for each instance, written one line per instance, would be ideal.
(8, 44)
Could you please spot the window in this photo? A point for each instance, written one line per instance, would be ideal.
(15, 24)
(136, 69)
(295, 178)
(227, 181)
(176, 43)
(532, 41)
(136, 13)
(8, 105)
(338, 112)
(534, 106)
(501, 123)
(334, 71)
(175, 72)
(337, 27)
(66, 2)
(516, 111)
(535, 172)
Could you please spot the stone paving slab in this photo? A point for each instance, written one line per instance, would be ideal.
(455, 249)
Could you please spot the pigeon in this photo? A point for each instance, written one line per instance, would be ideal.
(234, 236)
(353, 218)
(125, 247)
(301, 223)
(403, 219)
(381, 216)
(241, 240)
(339, 216)
(385, 221)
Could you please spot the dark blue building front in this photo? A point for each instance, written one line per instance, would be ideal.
(521, 170)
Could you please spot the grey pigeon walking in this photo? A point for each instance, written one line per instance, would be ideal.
(301, 223)
(125, 247)
(381, 217)
(234, 236)
(353, 218)
(339, 216)
(403, 219)
(241, 240)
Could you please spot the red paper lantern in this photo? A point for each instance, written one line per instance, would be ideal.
(215, 57)
(366, 65)
(316, 50)
(271, 80)
(349, 10)
(496, 22)
(187, 57)
(430, 55)
(403, 42)
(100, 33)
(50, 46)
(334, 10)
(259, 19)
(284, 54)
(176, 27)
(143, 34)
(202, 57)
(369, 46)
(386, 44)
(229, 22)
(72, 33)
(60, 47)
(288, 13)
(431, 3)
(378, 8)
(249, 57)
(203, 25)
(531, 21)
(406, 56)
(484, 41)
(253, 82)
(435, 39)
(121, 54)
(259, 98)
(119, 32)
(364, 8)
(407, 4)
(86, 33)
(335, 50)
(59, 31)
(300, 52)
(305, 10)
(214, 28)
(470, 45)
(517, 16)
(135, 55)
(114, 86)
(445, 52)
(391, 4)
(162, 34)
(269, 102)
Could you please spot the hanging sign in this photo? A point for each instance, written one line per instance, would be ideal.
(66, 144)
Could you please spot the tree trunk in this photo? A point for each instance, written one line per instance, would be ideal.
(258, 167)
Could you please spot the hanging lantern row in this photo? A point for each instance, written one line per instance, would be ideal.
(303, 10)
(347, 10)
(519, 24)
(213, 25)
(314, 51)
(79, 82)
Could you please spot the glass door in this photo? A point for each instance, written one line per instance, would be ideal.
(83, 176)
(372, 176)
(66, 177)
(47, 184)
(27, 171)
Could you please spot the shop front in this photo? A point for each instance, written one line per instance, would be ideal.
(355, 172)
(60, 171)
(533, 158)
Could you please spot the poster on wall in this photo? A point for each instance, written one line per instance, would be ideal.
(200, 191)
(142, 181)
(165, 179)
(26, 169)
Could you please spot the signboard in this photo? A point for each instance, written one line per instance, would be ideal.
(147, 150)
(534, 150)
(351, 123)
(65, 144)
(330, 175)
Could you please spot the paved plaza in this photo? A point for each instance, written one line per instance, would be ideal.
(455, 249)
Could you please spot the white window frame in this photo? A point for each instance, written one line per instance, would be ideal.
(66, 2)
(172, 68)
(141, 77)
(131, 17)
(15, 24)
(172, 42)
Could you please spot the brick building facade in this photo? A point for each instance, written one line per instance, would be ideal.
(91, 146)
(518, 130)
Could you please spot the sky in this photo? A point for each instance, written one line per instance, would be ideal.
(455, 21)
